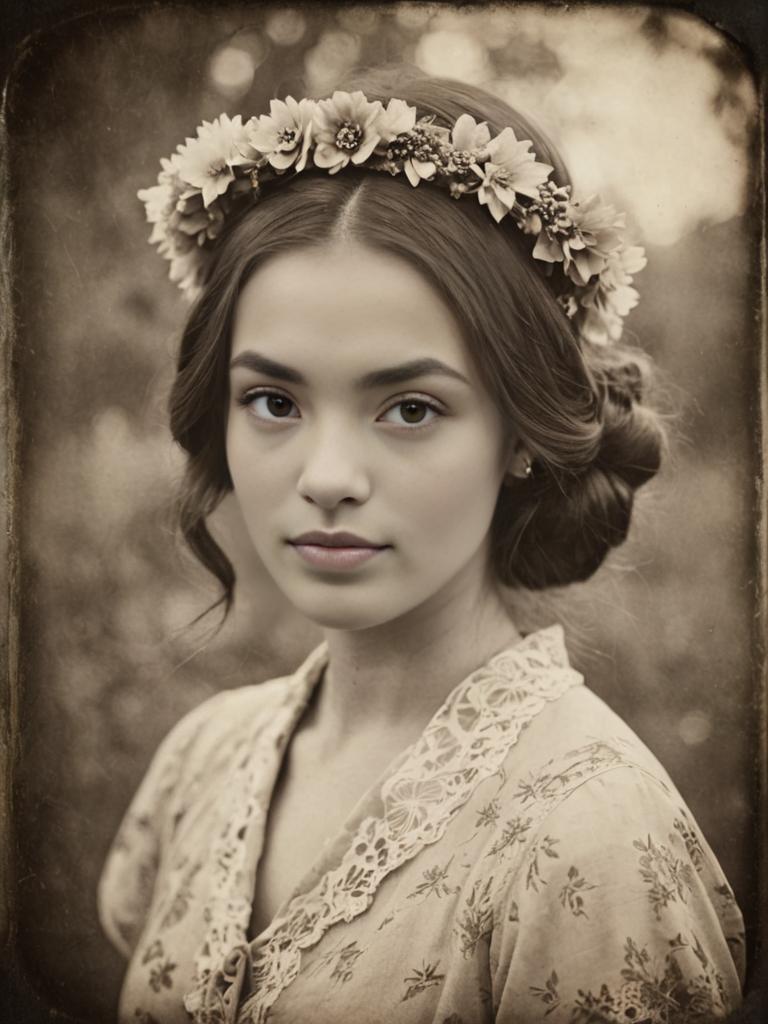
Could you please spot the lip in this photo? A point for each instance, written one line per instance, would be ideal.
(340, 539)
(341, 550)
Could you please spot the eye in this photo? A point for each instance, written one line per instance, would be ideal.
(268, 405)
(413, 412)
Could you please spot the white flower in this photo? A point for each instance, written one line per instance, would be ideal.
(161, 202)
(598, 233)
(581, 236)
(619, 297)
(511, 169)
(621, 300)
(395, 120)
(470, 137)
(611, 296)
(461, 153)
(160, 199)
(418, 151)
(621, 264)
(227, 162)
(185, 272)
(284, 135)
(206, 161)
(344, 128)
(600, 325)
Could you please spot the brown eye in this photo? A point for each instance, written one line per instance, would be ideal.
(269, 405)
(278, 405)
(413, 412)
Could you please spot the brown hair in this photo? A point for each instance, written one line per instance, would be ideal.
(579, 413)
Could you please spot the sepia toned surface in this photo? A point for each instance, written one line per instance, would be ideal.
(652, 110)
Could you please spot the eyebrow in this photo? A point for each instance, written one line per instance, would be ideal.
(384, 377)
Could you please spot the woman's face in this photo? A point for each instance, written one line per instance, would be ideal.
(354, 407)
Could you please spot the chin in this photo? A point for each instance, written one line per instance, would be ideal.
(340, 615)
(347, 608)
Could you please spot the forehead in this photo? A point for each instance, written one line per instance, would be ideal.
(348, 305)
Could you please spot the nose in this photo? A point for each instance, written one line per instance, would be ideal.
(334, 469)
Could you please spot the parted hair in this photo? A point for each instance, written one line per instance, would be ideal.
(578, 408)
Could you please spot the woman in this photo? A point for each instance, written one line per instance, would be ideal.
(417, 403)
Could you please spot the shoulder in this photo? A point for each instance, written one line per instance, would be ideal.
(211, 733)
(192, 763)
(223, 722)
(212, 729)
(605, 876)
(578, 737)
(582, 776)
(228, 714)
(210, 736)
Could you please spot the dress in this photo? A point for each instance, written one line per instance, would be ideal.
(527, 859)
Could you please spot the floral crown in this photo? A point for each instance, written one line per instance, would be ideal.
(229, 162)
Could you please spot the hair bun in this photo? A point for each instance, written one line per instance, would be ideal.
(631, 443)
(632, 439)
(569, 520)
(625, 382)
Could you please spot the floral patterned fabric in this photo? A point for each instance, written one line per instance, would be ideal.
(527, 859)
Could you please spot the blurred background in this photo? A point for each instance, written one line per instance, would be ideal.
(652, 108)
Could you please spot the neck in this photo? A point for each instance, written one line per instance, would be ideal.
(392, 678)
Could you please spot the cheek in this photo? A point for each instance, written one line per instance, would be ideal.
(237, 460)
(256, 475)
(452, 494)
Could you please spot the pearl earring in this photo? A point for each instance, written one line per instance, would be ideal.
(525, 472)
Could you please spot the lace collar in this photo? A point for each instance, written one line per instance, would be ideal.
(464, 743)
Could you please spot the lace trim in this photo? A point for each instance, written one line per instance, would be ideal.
(465, 743)
(227, 912)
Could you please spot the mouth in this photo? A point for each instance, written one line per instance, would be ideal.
(340, 539)
(335, 550)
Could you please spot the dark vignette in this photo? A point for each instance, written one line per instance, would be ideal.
(33, 34)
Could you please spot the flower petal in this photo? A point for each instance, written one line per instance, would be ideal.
(366, 148)
(467, 134)
(426, 169)
(411, 173)
(547, 249)
(327, 156)
(396, 119)
(498, 209)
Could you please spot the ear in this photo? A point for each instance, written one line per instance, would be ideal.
(519, 463)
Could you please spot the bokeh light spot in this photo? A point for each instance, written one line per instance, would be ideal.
(286, 28)
(447, 52)
(335, 53)
(232, 68)
(694, 727)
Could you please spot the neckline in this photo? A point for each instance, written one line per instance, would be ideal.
(308, 677)
(311, 671)
(465, 740)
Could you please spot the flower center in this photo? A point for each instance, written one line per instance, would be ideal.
(413, 144)
(286, 137)
(552, 208)
(348, 135)
(458, 162)
(214, 170)
(502, 177)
